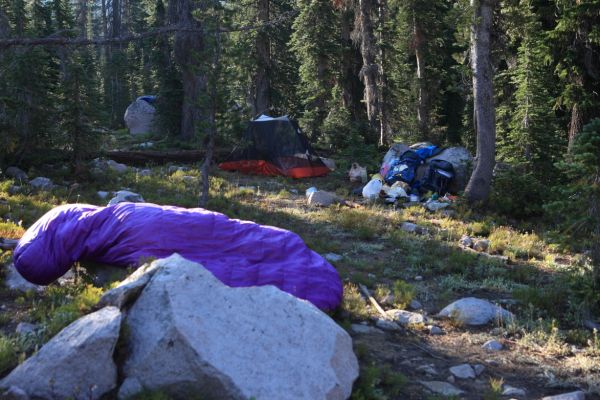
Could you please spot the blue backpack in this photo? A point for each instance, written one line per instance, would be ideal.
(404, 168)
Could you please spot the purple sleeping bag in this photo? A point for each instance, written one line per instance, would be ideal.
(239, 253)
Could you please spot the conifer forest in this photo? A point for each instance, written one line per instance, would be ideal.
(515, 82)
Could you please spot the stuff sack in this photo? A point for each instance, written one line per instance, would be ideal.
(404, 169)
(357, 173)
(438, 176)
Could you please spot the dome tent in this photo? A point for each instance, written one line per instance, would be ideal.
(275, 146)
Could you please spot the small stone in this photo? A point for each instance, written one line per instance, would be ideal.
(14, 393)
(406, 318)
(102, 194)
(578, 395)
(12, 190)
(41, 183)
(145, 172)
(451, 379)
(481, 245)
(117, 167)
(463, 371)
(409, 227)
(478, 368)
(443, 388)
(321, 198)
(428, 369)
(466, 241)
(388, 299)
(436, 330)
(418, 278)
(415, 305)
(512, 391)
(364, 329)
(333, 257)
(16, 173)
(492, 345)
(126, 196)
(387, 325)
(25, 328)
(129, 388)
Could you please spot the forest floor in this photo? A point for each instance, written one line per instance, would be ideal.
(546, 351)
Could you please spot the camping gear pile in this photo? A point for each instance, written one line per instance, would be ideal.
(275, 146)
(408, 173)
(238, 253)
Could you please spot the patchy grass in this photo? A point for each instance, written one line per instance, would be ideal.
(8, 354)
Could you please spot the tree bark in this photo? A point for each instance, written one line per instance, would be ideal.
(188, 49)
(370, 69)
(262, 82)
(384, 126)
(479, 185)
(575, 125)
(352, 90)
(423, 96)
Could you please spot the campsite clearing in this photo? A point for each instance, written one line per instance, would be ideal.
(544, 352)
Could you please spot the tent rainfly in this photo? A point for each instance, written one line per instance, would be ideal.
(275, 146)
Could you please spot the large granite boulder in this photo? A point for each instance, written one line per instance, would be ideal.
(189, 333)
(75, 364)
(139, 117)
(16, 173)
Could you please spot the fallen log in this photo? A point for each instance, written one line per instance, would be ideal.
(143, 157)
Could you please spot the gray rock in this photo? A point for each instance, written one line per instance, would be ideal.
(409, 227)
(512, 391)
(190, 180)
(14, 281)
(117, 167)
(436, 330)
(387, 325)
(481, 245)
(461, 160)
(77, 363)
(443, 388)
(41, 183)
(14, 393)
(332, 257)
(321, 198)
(451, 379)
(129, 388)
(16, 173)
(12, 190)
(578, 395)
(364, 329)
(145, 172)
(129, 289)
(434, 205)
(388, 299)
(466, 241)
(428, 369)
(405, 318)
(233, 343)
(492, 345)
(25, 328)
(125, 196)
(478, 368)
(463, 371)
(415, 305)
(474, 311)
(139, 117)
(102, 194)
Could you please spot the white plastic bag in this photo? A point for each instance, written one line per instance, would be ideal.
(372, 189)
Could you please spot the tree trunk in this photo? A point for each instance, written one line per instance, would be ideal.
(352, 90)
(479, 185)
(423, 97)
(575, 125)
(188, 49)
(384, 127)
(262, 83)
(370, 69)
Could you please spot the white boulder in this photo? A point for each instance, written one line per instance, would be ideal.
(77, 363)
(139, 117)
(125, 196)
(474, 311)
(189, 333)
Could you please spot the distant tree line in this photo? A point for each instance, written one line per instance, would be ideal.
(513, 80)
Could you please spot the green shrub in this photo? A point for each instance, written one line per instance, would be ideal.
(403, 293)
(8, 354)
(517, 193)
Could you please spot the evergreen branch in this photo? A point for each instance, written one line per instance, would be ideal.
(56, 40)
